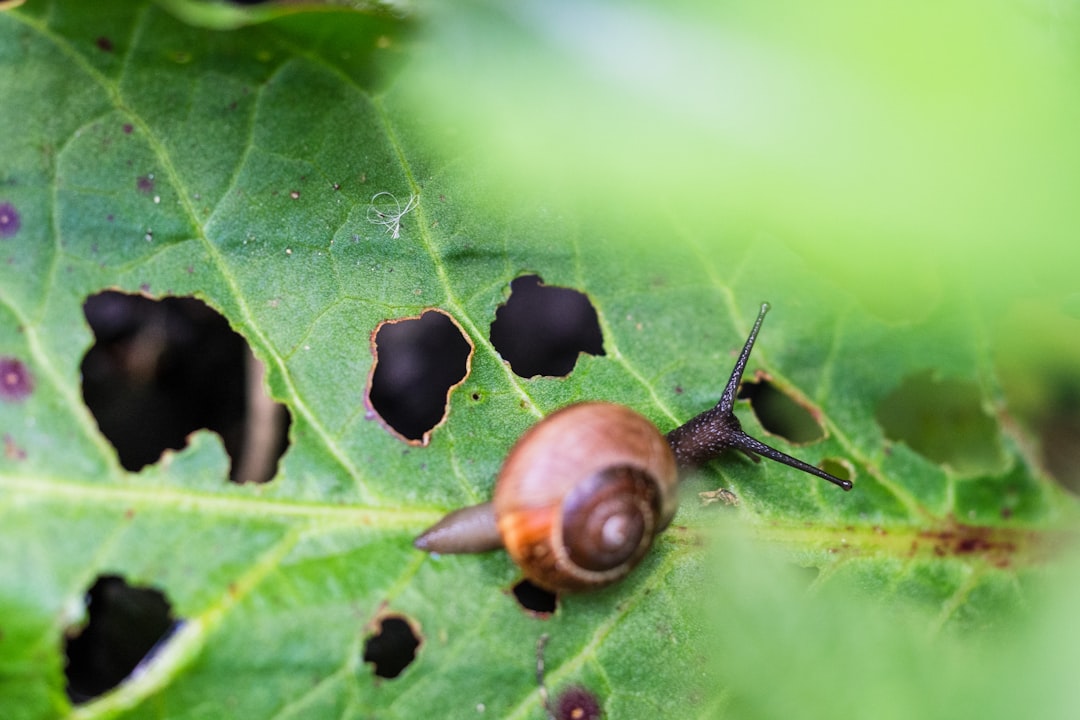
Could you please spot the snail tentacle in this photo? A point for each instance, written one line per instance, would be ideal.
(705, 436)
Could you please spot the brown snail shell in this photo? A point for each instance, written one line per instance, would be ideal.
(582, 494)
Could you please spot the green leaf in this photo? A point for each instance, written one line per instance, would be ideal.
(144, 154)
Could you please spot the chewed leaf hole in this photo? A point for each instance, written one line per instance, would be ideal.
(161, 369)
(838, 467)
(780, 414)
(126, 627)
(1058, 427)
(418, 363)
(944, 421)
(541, 330)
(535, 599)
(392, 647)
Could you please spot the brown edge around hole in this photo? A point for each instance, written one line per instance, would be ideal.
(426, 437)
(796, 397)
(374, 628)
(507, 296)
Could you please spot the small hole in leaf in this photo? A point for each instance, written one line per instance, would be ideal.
(780, 414)
(577, 703)
(838, 468)
(161, 369)
(1058, 425)
(392, 648)
(535, 599)
(418, 363)
(126, 626)
(541, 330)
(942, 420)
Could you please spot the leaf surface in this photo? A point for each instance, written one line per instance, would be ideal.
(239, 167)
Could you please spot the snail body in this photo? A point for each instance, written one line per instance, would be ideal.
(583, 492)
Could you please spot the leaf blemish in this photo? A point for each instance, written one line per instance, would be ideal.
(12, 450)
(944, 420)
(393, 646)
(780, 413)
(419, 361)
(535, 600)
(161, 369)
(104, 44)
(16, 383)
(145, 183)
(127, 627)
(9, 220)
(543, 329)
(840, 467)
(574, 703)
(997, 546)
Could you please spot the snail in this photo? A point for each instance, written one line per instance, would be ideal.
(583, 492)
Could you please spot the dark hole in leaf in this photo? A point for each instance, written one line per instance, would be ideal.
(577, 703)
(161, 369)
(418, 362)
(126, 625)
(541, 330)
(392, 648)
(534, 598)
(779, 414)
(944, 421)
(1059, 429)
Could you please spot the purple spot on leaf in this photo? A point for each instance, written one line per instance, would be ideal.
(577, 703)
(104, 44)
(145, 183)
(128, 128)
(9, 220)
(15, 381)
